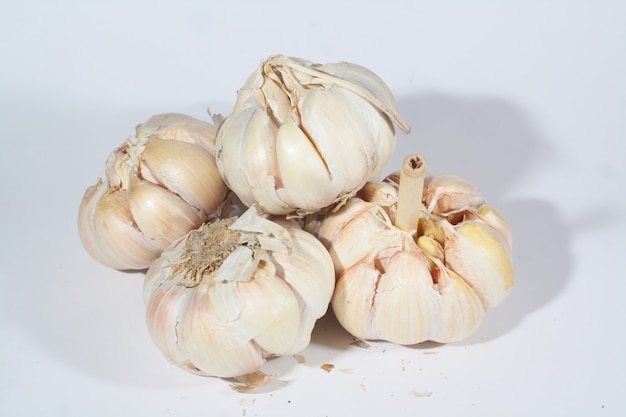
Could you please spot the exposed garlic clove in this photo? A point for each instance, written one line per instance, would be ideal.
(245, 289)
(494, 219)
(478, 254)
(278, 150)
(157, 186)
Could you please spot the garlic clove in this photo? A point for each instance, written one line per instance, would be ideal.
(460, 310)
(248, 131)
(187, 171)
(494, 219)
(108, 232)
(405, 304)
(355, 230)
(380, 193)
(479, 254)
(301, 168)
(165, 309)
(362, 134)
(160, 215)
(86, 214)
(430, 246)
(353, 299)
(308, 258)
(447, 194)
(180, 126)
(274, 322)
(212, 345)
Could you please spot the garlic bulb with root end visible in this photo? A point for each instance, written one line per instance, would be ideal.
(237, 291)
(157, 186)
(304, 136)
(417, 258)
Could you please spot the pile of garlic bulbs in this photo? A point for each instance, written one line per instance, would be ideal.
(251, 226)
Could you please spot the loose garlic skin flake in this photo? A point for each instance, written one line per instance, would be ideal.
(160, 184)
(433, 280)
(303, 136)
(236, 291)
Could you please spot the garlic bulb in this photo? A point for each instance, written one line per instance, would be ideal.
(408, 272)
(235, 292)
(157, 186)
(304, 136)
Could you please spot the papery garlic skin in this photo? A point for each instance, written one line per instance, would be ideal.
(157, 186)
(303, 136)
(224, 316)
(434, 282)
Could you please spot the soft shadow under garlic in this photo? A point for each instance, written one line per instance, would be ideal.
(542, 261)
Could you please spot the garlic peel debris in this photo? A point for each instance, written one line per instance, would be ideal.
(235, 292)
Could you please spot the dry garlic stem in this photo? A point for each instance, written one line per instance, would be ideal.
(425, 273)
(410, 192)
(157, 186)
(236, 291)
(304, 136)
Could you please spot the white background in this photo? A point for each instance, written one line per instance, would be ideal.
(527, 100)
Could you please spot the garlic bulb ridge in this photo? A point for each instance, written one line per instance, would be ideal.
(157, 186)
(304, 136)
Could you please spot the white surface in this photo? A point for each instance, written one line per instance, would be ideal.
(525, 99)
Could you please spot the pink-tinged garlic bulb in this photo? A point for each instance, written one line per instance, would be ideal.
(417, 258)
(304, 136)
(157, 186)
(237, 291)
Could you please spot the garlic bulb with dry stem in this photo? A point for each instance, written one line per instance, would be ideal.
(304, 136)
(417, 258)
(157, 186)
(237, 291)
